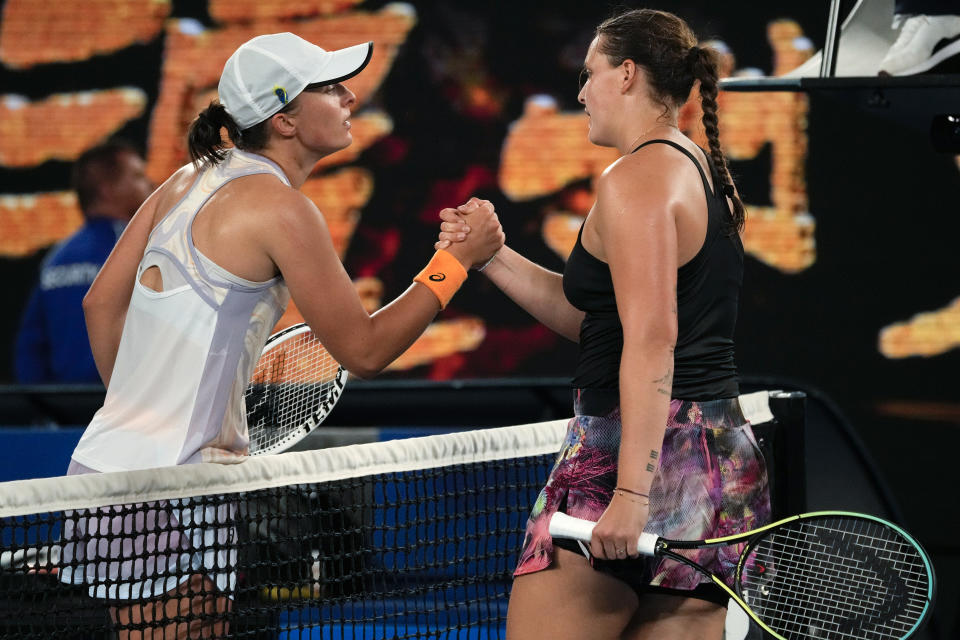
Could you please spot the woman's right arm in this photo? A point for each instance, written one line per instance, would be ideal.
(539, 291)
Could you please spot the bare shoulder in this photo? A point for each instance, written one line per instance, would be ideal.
(181, 180)
(285, 205)
(638, 182)
(262, 197)
(172, 191)
(282, 216)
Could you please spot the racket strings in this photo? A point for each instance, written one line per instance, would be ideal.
(812, 588)
(836, 578)
(815, 590)
(291, 382)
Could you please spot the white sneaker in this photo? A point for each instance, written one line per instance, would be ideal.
(923, 43)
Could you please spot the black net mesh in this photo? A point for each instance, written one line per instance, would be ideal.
(426, 553)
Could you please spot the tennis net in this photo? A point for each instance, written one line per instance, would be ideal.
(412, 538)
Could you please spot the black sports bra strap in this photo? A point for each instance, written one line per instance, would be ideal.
(703, 176)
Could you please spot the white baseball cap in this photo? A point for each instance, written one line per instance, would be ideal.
(264, 74)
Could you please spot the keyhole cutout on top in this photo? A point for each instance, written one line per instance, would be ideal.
(152, 279)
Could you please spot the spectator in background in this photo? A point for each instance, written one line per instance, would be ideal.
(52, 345)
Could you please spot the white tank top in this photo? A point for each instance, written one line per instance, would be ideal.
(186, 353)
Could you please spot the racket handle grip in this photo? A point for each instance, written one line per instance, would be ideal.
(647, 544)
(564, 526)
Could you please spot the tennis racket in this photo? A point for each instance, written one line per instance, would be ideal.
(294, 387)
(829, 574)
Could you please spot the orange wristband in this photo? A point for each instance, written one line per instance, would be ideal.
(443, 275)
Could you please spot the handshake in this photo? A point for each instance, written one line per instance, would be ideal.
(471, 233)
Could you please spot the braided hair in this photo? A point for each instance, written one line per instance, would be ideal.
(665, 46)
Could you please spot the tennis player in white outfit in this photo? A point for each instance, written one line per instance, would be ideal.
(181, 309)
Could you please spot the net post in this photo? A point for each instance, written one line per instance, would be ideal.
(783, 443)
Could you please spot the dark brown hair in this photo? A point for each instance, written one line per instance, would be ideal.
(96, 166)
(205, 143)
(667, 49)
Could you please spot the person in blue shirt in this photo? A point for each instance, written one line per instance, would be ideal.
(52, 346)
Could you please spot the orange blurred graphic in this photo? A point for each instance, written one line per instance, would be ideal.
(32, 222)
(34, 32)
(341, 195)
(64, 125)
(442, 339)
(926, 334)
(256, 10)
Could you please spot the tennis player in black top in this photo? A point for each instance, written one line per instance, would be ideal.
(650, 292)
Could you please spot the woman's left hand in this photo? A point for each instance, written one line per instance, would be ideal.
(616, 534)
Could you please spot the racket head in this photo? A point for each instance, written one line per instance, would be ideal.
(294, 386)
(835, 574)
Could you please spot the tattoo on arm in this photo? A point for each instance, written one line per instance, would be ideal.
(665, 383)
(651, 466)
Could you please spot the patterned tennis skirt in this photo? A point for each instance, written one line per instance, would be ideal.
(712, 482)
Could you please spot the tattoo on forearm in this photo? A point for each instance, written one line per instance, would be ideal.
(665, 383)
(651, 466)
(667, 377)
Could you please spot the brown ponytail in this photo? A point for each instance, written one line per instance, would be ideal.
(704, 65)
(204, 141)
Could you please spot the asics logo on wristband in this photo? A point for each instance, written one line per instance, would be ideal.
(443, 275)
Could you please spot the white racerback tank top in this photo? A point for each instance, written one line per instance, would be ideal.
(186, 353)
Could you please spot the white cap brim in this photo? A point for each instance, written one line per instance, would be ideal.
(268, 71)
(344, 64)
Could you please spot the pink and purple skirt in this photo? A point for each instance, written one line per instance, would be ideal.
(712, 482)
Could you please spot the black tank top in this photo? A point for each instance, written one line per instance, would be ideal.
(708, 291)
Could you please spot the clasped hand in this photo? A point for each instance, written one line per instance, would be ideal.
(472, 232)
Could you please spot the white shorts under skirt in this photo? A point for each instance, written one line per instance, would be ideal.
(142, 551)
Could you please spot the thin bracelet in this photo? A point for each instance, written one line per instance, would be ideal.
(629, 497)
(636, 493)
(487, 263)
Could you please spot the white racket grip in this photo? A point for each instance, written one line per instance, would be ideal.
(564, 526)
(647, 544)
